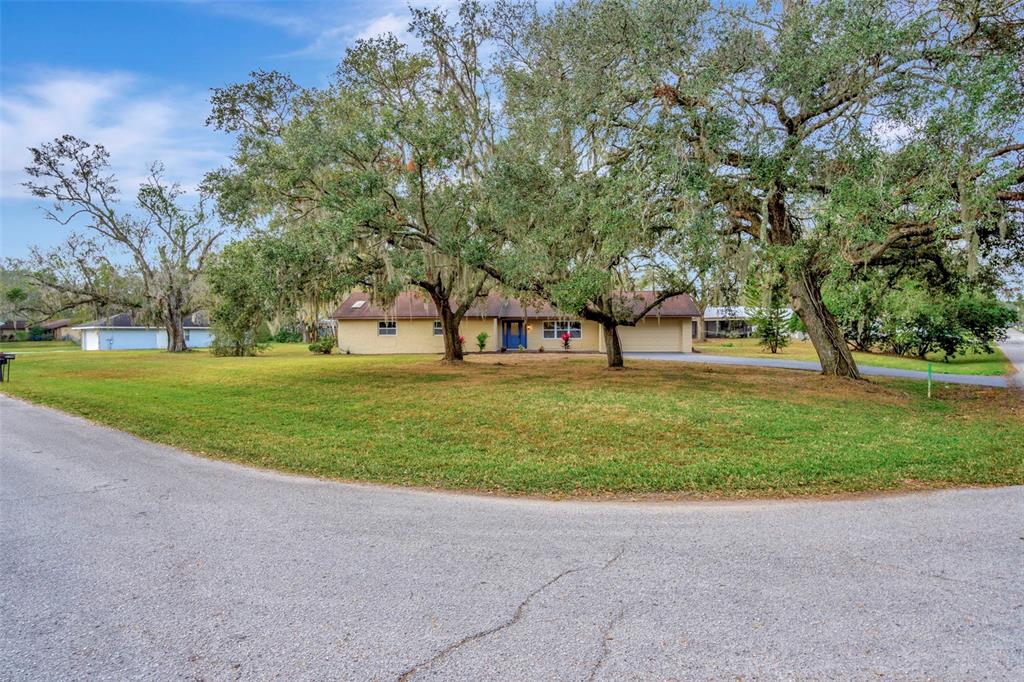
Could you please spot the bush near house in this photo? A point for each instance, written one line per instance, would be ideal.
(324, 346)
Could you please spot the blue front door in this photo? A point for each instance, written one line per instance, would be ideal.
(513, 334)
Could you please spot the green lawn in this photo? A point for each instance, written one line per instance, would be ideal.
(554, 424)
(992, 364)
(37, 346)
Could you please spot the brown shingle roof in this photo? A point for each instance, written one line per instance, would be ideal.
(412, 306)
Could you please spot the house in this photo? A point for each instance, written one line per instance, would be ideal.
(42, 331)
(10, 329)
(57, 330)
(125, 332)
(732, 322)
(412, 325)
(727, 322)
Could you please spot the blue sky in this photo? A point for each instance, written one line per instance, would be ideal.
(136, 76)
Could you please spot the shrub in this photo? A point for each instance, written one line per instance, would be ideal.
(766, 296)
(481, 340)
(235, 331)
(288, 336)
(324, 345)
(566, 338)
(771, 326)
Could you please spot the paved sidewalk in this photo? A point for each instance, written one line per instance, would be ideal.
(705, 358)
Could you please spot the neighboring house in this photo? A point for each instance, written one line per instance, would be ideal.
(731, 322)
(10, 329)
(48, 331)
(124, 332)
(727, 322)
(57, 330)
(412, 325)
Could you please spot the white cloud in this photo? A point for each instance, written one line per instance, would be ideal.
(389, 23)
(328, 28)
(137, 123)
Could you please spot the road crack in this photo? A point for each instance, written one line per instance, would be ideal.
(516, 617)
(605, 636)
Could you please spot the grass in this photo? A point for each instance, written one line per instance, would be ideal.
(37, 346)
(989, 364)
(554, 425)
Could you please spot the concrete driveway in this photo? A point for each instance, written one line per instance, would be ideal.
(126, 560)
(866, 370)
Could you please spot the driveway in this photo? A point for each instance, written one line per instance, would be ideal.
(1013, 349)
(127, 560)
(705, 358)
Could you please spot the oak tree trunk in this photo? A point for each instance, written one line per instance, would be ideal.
(450, 332)
(829, 343)
(175, 333)
(805, 294)
(702, 329)
(613, 348)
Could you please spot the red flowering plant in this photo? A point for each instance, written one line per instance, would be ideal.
(565, 340)
(462, 341)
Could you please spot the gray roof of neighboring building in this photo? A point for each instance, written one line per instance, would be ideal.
(410, 305)
(731, 312)
(23, 324)
(133, 321)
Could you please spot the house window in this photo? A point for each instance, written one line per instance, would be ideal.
(555, 329)
(186, 336)
(387, 328)
(438, 331)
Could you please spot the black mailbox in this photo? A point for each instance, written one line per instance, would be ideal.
(5, 366)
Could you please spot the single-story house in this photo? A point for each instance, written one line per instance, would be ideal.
(10, 329)
(125, 332)
(727, 322)
(731, 322)
(57, 330)
(44, 331)
(412, 325)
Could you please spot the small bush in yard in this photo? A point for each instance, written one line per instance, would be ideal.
(481, 340)
(324, 345)
(288, 336)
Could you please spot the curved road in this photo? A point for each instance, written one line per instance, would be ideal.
(127, 560)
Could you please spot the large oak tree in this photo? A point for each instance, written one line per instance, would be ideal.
(149, 258)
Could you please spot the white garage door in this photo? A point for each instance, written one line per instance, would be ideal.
(653, 336)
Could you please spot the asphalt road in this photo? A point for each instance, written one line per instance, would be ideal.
(126, 560)
(866, 370)
(1013, 349)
